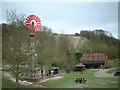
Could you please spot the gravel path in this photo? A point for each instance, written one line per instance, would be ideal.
(103, 73)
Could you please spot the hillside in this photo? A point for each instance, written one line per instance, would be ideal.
(56, 49)
(97, 41)
(101, 42)
(75, 41)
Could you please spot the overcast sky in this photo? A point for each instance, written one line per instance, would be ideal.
(70, 17)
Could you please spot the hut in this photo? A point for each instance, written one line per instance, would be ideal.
(80, 67)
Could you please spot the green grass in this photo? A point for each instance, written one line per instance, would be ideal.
(113, 70)
(0, 79)
(68, 81)
(10, 84)
(6, 83)
(92, 81)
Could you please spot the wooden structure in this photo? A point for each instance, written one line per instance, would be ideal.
(80, 67)
(93, 60)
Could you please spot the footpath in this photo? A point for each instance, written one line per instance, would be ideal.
(103, 73)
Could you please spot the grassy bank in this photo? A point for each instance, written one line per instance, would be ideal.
(112, 64)
(68, 81)
(6, 83)
(92, 81)
(113, 70)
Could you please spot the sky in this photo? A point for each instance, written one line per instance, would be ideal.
(70, 17)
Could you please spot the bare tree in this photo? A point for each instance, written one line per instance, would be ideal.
(15, 42)
(45, 47)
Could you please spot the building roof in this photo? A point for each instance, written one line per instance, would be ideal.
(94, 56)
(80, 65)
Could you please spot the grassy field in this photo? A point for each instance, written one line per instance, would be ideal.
(10, 84)
(68, 81)
(113, 70)
(92, 81)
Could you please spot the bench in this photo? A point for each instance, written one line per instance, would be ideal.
(80, 80)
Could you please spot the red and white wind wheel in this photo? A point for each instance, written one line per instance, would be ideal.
(33, 23)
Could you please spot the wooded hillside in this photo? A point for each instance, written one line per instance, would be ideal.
(100, 41)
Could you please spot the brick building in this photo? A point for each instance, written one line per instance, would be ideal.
(93, 60)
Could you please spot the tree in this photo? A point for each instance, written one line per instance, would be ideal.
(64, 51)
(15, 43)
(45, 47)
(78, 56)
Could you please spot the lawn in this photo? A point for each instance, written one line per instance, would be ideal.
(6, 83)
(68, 81)
(92, 81)
(113, 70)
